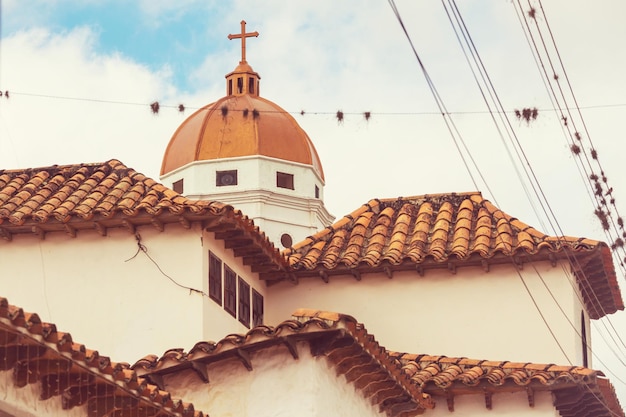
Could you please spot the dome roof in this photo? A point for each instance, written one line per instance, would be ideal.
(240, 125)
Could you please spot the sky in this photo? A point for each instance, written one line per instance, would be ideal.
(81, 76)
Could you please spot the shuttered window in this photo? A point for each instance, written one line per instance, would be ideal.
(215, 278)
(244, 302)
(257, 308)
(230, 291)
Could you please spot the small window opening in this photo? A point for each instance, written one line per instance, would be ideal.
(286, 240)
(257, 308)
(239, 85)
(251, 85)
(178, 186)
(244, 302)
(226, 178)
(215, 278)
(317, 192)
(230, 291)
(284, 180)
(230, 87)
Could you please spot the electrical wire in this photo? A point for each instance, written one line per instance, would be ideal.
(476, 56)
(493, 94)
(531, 296)
(552, 91)
(598, 194)
(554, 336)
(540, 192)
(575, 100)
(141, 248)
(450, 125)
(295, 113)
(512, 136)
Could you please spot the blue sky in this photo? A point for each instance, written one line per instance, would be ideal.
(320, 57)
(164, 37)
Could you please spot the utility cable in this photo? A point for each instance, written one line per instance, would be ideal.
(293, 113)
(451, 126)
(141, 248)
(480, 66)
(535, 50)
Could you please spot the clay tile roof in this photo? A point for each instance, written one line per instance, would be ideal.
(67, 372)
(447, 231)
(71, 198)
(345, 343)
(578, 391)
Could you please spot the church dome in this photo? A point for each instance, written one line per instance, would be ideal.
(240, 125)
(248, 152)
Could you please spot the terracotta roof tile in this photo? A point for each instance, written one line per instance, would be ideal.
(345, 343)
(78, 197)
(363, 362)
(435, 231)
(578, 391)
(36, 352)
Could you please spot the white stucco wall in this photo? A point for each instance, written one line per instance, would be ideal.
(253, 173)
(475, 314)
(275, 210)
(93, 287)
(278, 385)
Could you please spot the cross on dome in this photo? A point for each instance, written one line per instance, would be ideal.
(243, 35)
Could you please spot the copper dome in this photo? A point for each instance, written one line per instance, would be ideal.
(236, 126)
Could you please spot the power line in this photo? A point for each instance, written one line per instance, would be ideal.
(450, 125)
(294, 113)
(548, 80)
(613, 225)
(492, 94)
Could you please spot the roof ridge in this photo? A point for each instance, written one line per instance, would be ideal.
(432, 196)
(410, 357)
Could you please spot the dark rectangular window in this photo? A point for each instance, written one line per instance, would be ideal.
(257, 308)
(239, 85)
(317, 192)
(251, 85)
(583, 336)
(226, 178)
(244, 302)
(215, 278)
(178, 186)
(230, 87)
(230, 291)
(284, 180)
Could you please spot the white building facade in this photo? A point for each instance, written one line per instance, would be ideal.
(133, 267)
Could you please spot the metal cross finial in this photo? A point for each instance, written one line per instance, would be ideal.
(243, 35)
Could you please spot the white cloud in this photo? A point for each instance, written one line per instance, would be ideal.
(49, 130)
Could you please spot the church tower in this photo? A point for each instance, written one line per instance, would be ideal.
(246, 151)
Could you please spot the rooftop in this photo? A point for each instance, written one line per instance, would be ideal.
(448, 231)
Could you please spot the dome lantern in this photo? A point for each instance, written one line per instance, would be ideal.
(243, 80)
